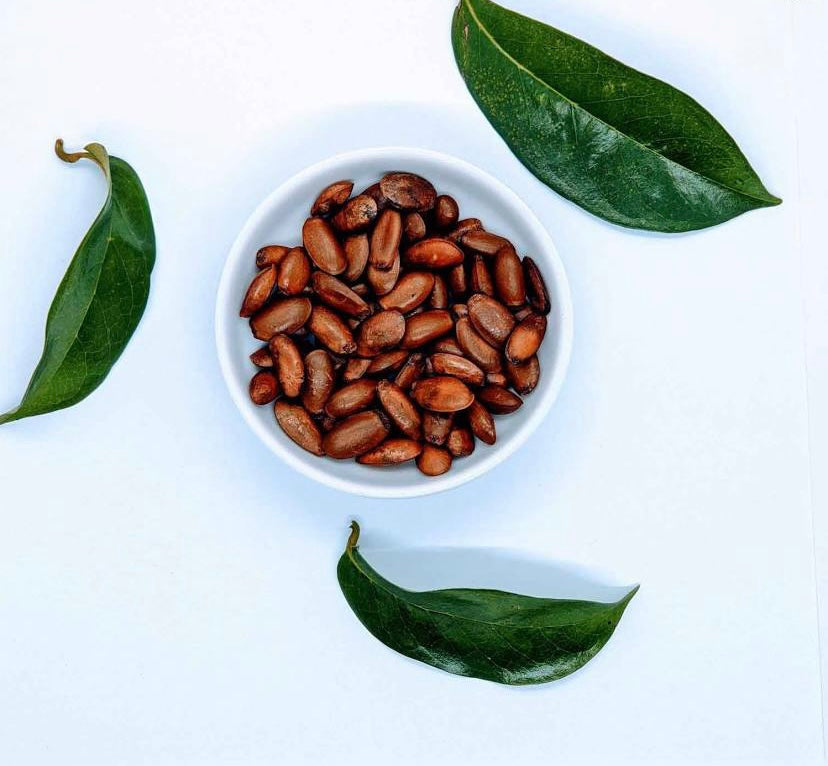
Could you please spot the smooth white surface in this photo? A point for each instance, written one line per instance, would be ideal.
(279, 218)
(167, 589)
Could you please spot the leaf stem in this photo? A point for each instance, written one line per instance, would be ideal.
(70, 156)
(353, 538)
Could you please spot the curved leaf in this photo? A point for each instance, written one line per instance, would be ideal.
(489, 634)
(623, 145)
(102, 295)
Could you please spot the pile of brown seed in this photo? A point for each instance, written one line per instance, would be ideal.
(396, 330)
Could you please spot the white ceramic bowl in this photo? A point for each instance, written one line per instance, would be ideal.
(279, 220)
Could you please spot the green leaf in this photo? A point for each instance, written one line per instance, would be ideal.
(102, 296)
(489, 634)
(623, 145)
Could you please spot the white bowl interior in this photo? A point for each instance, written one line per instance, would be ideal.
(279, 220)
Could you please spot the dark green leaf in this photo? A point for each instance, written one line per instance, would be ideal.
(490, 634)
(621, 144)
(102, 296)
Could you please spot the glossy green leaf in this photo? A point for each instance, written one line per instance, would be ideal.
(489, 634)
(623, 145)
(102, 296)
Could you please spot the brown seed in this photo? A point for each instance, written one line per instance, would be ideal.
(436, 426)
(319, 380)
(459, 310)
(322, 246)
(352, 398)
(426, 327)
(497, 379)
(536, 290)
(464, 227)
(526, 338)
(522, 313)
(508, 277)
(458, 367)
(439, 294)
(356, 435)
(412, 370)
(339, 296)
(484, 242)
(442, 394)
(264, 387)
(271, 255)
(400, 409)
(385, 239)
(361, 289)
(356, 254)
(286, 316)
(411, 291)
(330, 330)
(457, 280)
(289, 364)
(299, 426)
(356, 215)
(482, 423)
(294, 272)
(499, 400)
(524, 377)
(460, 442)
(446, 211)
(259, 291)
(373, 191)
(332, 197)
(447, 346)
(261, 357)
(407, 191)
(434, 461)
(480, 276)
(414, 227)
(434, 253)
(491, 319)
(475, 347)
(381, 331)
(388, 361)
(355, 369)
(392, 452)
(326, 422)
(383, 281)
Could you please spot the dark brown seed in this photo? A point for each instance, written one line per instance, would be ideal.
(446, 211)
(361, 289)
(400, 409)
(458, 367)
(289, 364)
(330, 330)
(392, 452)
(383, 281)
(355, 369)
(439, 294)
(319, 380)
(434, 253)
(352, 398)
(426, 327)
(299, 426)
(497, 379)
(436, 427)
(271, 255)
(381, 331)
(286, 316)
(264, 387)
(536, 290)
(458, 283)
(261, 357)
(475, 347)
(339, 296)
(480, 276)
(484, 242)
(522, 313)
(414, 227)
(385, 239)
(388, 361)
(482, 423)
(508, 277)
(411, 291)
(526, 338)
(356, 435)
(326, 422)
(322, 246)
(356, 215)
(407, 191)
(464, 227)
(259, 291)
(332, 197)
(412, 370)
(373, 191)
(433, 461)
(447, 346)
(499, 400)
(294, 272)
(460, 442)
(524, 377)
(442, 394)
(491, 319)
(356, 254)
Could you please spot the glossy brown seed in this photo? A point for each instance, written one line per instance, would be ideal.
(411, 291)
(434, 253)
(442, 394)
(508, 277)
(261, 357)
(457, 367)
(352, 398)
(407, 191)
(388, 361)
(355, 368)
(499, 400)
(524, 377)
(259, 291)
(482, 423)
(400, 409)
(414, 227)
(264, 387)
(446, 211)
(439, 294)
(319, 380)
(497, 379)
(356, 435)
(476, 348)
(356, 215)
(536, 291)
(412, 370)
(339, 296)
(458, 281)
(484, 242)
(382, 331)
(522, 313)
(322, 246)
(294, 272)
(383, 281)
(434, 461)
(460, 442)
(491, 319)
(464, 227)
(271, 255)
(299, 426)
(332, 197)
(526, 338)
(480, 276)
(392, 452)
(426, 327)
(447, 346)
(385, 239)
(374, 192)
(331, 331)
(289, 365)
(357, 250)
(286, 316)
(436, 426)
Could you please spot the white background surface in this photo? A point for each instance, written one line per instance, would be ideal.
(167, 590)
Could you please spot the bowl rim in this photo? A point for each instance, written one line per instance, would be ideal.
(429, 485)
